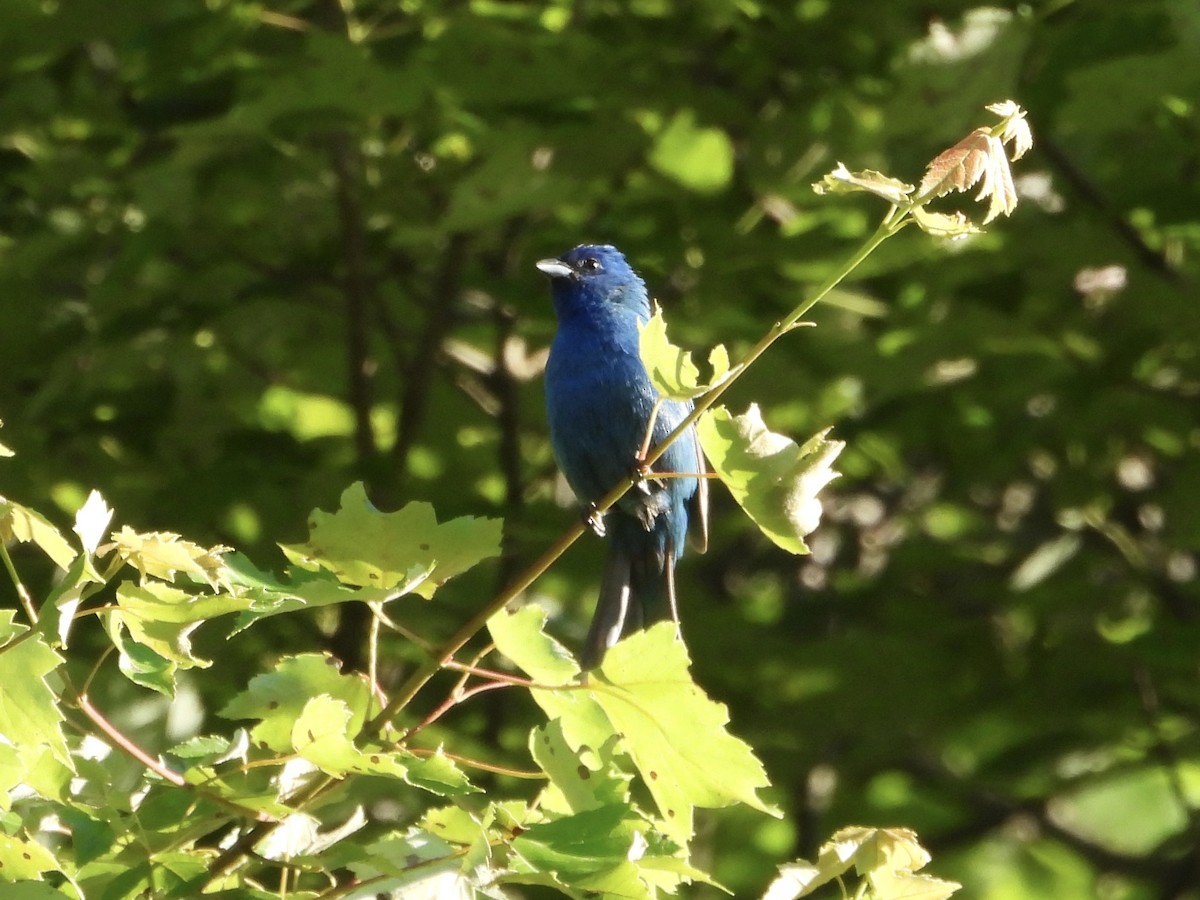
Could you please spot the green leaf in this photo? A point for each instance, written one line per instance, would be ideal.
(698, 158)
(413, 864)
(32, 890)
(304, 589)
(362, 546)
(91, 838)
(519, 634)
(887, 858)
(775, 481)
(138, 662)
(20, 523)
(584, 778)
(521, 637)
(162, 617)
(674, 374)
(277, 699)
(57, 615)
(24, 859)
(583, 844)
(674, 733)
(939, 224)
(842, 181)
(321, 735)
(436, 773)
(164, 554)
(29, 711)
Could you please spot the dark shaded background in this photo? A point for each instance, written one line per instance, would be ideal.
(249, 254)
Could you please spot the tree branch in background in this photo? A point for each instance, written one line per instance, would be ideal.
(356, 290)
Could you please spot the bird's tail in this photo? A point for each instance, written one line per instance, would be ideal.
(637, 588)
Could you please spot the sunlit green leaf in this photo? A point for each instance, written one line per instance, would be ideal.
(29, 710)
(675, 734)
(163, 617)
(91, 521)
(278, 698)
(519, 634)
(163, 555)
(674, 374)
(943, 224)
(24, 859)
(22, 524)
(321, 735)
(585, 778)
(414, 864)
(773, 479)
(521, 637)
(886, 858)
(842, 181)
(393, 551)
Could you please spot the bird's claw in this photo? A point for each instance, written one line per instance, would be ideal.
(639, 472)
(594, 519)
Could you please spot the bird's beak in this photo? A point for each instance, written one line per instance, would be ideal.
(555, 268)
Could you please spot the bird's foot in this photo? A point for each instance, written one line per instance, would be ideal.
(594, 519)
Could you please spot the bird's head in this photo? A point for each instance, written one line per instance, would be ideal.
(595, 277)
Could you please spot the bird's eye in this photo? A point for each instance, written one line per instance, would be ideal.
(591, 264)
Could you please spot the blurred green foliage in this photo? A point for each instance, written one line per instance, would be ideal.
(250, 253)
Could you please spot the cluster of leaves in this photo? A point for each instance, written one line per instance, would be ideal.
(638, 714)
(275, 806)
(274, 782)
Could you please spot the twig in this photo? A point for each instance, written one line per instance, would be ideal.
(357, 289)
(22, 593)
(128, 745)
(480, 764)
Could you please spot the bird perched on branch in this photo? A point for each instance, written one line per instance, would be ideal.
(600, 402)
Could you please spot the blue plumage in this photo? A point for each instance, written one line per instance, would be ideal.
(598, 402)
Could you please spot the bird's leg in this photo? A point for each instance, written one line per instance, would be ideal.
(641, 471)
(594, 519)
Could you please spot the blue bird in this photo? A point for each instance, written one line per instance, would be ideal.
(598, 402)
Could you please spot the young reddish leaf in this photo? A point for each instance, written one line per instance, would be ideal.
(979, 158)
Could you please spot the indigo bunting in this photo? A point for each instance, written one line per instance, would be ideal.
(599, 401)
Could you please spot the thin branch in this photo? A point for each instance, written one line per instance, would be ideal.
(1092, 194)
(22, 593)
(440, 310)
(155, 765)
(357, 289)
(480, 764)
(457, 697)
